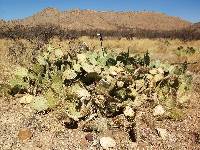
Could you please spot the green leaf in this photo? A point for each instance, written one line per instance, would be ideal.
(21, 72)
(52, 99)
(77, 91)
(38, 69)
(57, 84)
(39, 103)
(18, 81)
(73, 112)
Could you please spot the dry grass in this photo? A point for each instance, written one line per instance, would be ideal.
(5, 65)
(163, 49)
(141, 45)
(158, 48)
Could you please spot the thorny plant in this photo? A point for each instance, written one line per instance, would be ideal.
(100, 82)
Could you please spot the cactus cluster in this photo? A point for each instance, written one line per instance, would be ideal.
(181, 51)
(100, 82)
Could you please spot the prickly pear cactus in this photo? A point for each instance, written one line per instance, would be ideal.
(102, 82)
(39, 103)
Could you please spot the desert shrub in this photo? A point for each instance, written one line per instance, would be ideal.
(100, 82)
(181, 51)
(22, 52)
(45, 32)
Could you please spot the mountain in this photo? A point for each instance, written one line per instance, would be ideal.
(2, 22)
(89, 19)
(196, 25)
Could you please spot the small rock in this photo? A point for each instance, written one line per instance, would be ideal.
(162, 133)
(128, 112)
(89, 137)
(25, 134)
(158, 110)
(120, 84)
(26, 99)
(107, 142)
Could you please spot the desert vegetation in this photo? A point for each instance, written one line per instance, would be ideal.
(93, 90)
(48, 31)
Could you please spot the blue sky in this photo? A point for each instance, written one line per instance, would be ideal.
(185, 9)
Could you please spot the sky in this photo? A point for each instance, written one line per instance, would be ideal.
(185, 9)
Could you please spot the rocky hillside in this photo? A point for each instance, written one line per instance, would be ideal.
(88, 19)
(196, 26)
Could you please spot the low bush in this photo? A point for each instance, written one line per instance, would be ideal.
(99, 82)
